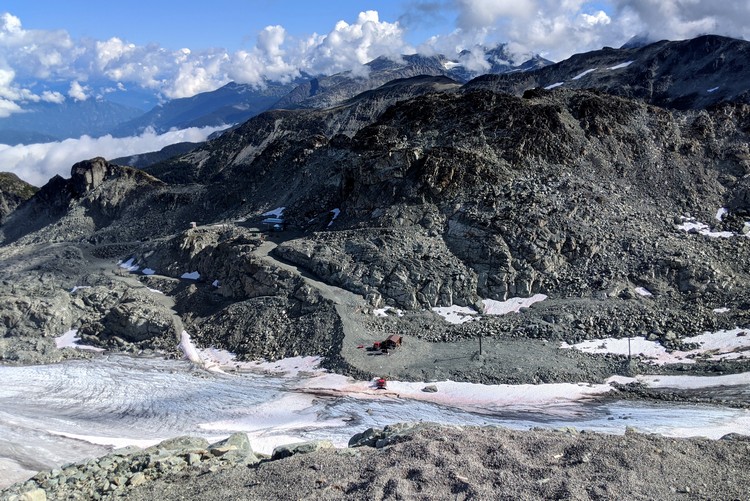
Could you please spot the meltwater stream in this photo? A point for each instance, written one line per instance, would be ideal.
(55, 414)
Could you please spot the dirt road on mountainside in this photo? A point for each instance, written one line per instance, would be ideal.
(503, 360)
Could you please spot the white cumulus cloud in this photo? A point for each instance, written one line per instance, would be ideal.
(37, 163)
(554, 28)
(8, 107)
(558, 29)
(681, 19)
(78, 92)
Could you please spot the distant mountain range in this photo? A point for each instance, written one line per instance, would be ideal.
(45, 122)
(685, 74)
(234, 103)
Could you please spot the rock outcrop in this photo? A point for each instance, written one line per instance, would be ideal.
(13, 192)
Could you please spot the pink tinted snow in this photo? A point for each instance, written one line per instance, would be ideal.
(468, 396)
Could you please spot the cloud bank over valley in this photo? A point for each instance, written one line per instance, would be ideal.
(37, 163)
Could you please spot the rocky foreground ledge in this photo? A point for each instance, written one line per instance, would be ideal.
(408, 461)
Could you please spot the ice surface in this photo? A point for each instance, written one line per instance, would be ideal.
(148, 271)
(554, 85)
(191, 276)
(118, 400)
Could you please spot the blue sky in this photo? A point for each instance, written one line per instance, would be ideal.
(229, 24)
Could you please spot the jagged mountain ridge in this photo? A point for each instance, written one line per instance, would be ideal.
(329, 91)
(686, 74)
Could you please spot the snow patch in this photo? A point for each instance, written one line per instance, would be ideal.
(512, 305)
(719, 345)
(286, 367)
(720, 310)
(467, 396)
(128, 265)
(336, 213)
(148, 271)
(721, 213)
(554, 85)
(583, 74)
(712, 89)
(383, 312)
(643, 291)
(191, 276)
(621, 65)
(690, 224)
(70, 340)
(456, 314)
(193, 354)
(277, 212)
(79, 287)
(216, 283)
(694, 382)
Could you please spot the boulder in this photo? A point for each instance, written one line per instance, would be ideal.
(285, 451)
(235, 447)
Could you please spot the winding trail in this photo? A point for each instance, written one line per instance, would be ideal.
(419, 359)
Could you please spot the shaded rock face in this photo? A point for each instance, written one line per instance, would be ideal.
(13, 192)
(407, 267)
(90, 174)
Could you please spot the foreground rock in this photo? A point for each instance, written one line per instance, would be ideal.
(418, 462)
(117, 473)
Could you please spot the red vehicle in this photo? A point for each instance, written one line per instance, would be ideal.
(380, 384)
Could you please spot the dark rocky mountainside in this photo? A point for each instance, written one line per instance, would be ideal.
(687, 74)
(443, 198)
(13, 191)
